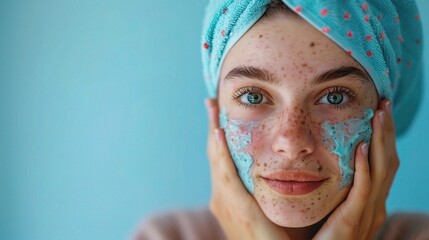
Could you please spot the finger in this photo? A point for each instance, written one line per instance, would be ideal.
(357, 202)
(391, 156)
(378, 173)
(224, 167)
(211, 107)
(389, 125)
(212, 112)
(390, 137)
(358, 196)
(378, 159)
(346, 219)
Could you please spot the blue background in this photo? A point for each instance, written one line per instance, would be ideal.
(103, 123)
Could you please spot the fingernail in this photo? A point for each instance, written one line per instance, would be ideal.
(381, 116)
(389, 106)
(364, 149)
(217, 134)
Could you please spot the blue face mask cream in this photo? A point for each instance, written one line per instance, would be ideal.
(342, 139)
(238, 137)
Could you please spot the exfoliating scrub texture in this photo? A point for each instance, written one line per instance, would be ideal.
(342, 139)
(238, 136)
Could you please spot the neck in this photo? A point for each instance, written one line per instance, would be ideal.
(305, 232)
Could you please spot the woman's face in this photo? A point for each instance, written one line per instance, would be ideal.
(292, 121)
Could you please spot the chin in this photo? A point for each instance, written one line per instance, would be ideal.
(294, 215)
(299, 211)
(296, 219)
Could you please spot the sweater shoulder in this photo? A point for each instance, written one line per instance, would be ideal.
(189, 224)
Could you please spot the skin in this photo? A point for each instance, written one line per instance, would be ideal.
(289, 133)
(288, 136)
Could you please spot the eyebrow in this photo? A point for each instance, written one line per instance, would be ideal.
(268, 77)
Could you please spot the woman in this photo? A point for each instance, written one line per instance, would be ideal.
(302, 138)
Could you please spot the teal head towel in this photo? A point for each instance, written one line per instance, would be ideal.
(386, 40)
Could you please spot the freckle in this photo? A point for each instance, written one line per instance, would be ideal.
(318, 198)
(265, 164)
(293, 206)
(304, 65)
(260, 36)
(312, 203)
(312, 44)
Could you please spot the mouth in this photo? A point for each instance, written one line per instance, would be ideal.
(294, 183)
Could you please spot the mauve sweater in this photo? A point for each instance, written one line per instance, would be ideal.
(200, 224)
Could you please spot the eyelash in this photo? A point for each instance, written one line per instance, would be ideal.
(251, 89)
(343, 90)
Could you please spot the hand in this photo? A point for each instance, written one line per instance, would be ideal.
(406, 226)
(364, 211)
(235, 209)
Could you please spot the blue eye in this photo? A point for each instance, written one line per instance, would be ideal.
(252, 97)
(336, 96)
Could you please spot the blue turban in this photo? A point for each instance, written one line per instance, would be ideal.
(384, 36)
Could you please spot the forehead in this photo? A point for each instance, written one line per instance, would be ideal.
(287, 45)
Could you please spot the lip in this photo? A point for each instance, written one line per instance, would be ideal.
(294, 183)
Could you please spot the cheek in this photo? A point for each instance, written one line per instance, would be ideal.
(342, 138)
(239, 138)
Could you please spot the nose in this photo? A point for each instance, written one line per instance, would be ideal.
(293, 135)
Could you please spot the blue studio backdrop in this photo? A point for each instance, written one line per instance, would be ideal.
(102, 120)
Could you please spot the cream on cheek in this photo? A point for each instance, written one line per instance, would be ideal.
(239, 137)
(342, 139)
